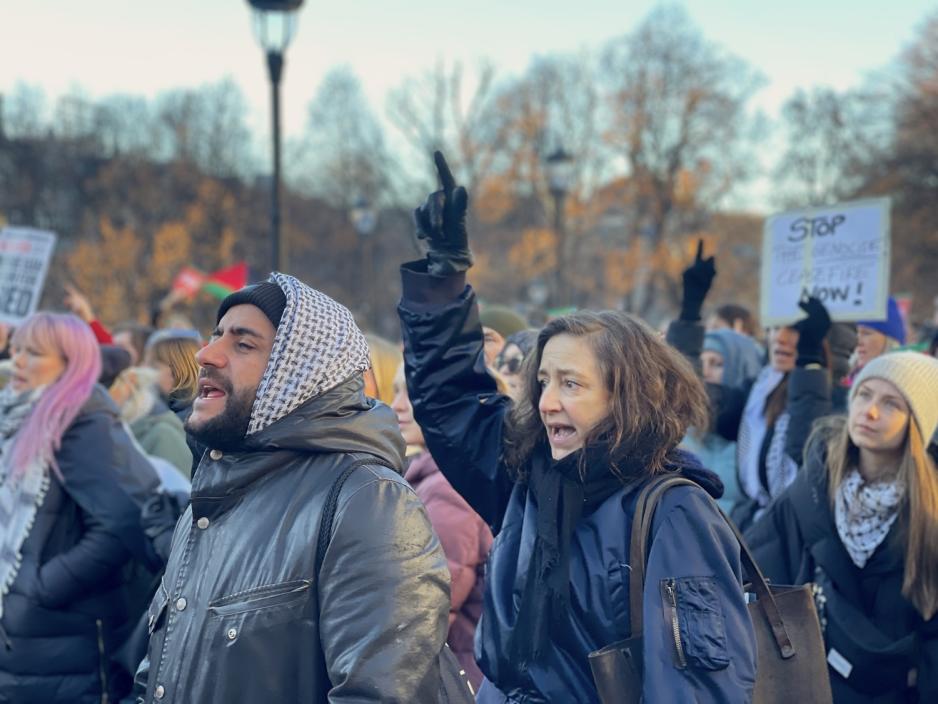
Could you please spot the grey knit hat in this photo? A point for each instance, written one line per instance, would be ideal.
(915, 375)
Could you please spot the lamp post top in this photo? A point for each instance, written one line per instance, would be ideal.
(559, 165)
(275, 5)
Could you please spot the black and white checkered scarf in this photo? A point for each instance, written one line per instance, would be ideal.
(317, 346)
(864, 514)
(20, 497)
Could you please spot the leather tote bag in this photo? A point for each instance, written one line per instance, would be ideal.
(791, 666)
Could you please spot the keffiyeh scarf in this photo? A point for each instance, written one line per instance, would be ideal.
(864, 513)
(20, 497)
(780, 468)
(317, 346)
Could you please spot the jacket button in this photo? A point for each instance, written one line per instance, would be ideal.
(216, 454)
(159, 692)
(202, 523)
(232, 633)
(181, 604)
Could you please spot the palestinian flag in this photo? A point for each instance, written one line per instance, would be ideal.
(226, 281)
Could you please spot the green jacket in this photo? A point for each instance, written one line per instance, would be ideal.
(161, 434)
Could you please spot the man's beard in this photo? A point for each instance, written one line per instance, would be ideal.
(227, 430)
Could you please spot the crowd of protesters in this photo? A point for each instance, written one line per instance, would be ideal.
(289, 510)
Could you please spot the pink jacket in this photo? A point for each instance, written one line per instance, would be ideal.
(466, 542)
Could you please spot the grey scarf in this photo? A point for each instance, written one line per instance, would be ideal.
(20, 497)
(864, 513)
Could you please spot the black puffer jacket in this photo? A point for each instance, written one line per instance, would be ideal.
(462, 416)
(876, 635)
(67, 609)
(240, 615)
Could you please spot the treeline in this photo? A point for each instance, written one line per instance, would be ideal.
(660, 123)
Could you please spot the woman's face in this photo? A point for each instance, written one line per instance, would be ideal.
(400, 404)
(870, 344)
(34, 367)
(164, 379)
(509, 366)
(879, 417)
(574, 397)
(712, 366)
(783, 348)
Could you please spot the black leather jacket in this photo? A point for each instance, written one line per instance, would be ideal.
(240, 617)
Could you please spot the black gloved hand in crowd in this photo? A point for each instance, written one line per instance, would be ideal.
(441, 220)
(698, 278)
(811, 332)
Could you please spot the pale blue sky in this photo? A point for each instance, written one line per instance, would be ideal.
(121, 46)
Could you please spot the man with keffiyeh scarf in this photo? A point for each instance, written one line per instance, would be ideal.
(242, 615)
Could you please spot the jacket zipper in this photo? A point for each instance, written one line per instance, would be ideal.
(102, 662)
(6, 639)
(675, 623)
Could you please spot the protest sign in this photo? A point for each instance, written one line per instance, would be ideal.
(25, 254)
(839, 254)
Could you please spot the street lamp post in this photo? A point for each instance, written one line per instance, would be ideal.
(274, 27)
(559, 178)
(364, 219)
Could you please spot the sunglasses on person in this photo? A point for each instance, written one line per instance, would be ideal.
(511, 365)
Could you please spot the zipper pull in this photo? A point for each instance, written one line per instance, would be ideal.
(675, 623)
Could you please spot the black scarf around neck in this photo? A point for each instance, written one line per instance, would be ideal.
(562, 496)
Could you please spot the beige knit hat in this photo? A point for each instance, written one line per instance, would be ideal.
(916, 376)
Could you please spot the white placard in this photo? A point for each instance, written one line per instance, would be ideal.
(25, 254)
(839, 253)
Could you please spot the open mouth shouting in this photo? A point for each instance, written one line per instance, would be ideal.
(562, 437)
(211, 391)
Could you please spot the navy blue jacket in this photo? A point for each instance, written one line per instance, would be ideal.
(462, 416)
(67, 610)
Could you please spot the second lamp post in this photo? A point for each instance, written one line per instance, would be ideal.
(559, 166)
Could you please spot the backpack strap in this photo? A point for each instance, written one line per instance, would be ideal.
(332, 503)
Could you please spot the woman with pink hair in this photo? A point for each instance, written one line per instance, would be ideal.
(66, 526)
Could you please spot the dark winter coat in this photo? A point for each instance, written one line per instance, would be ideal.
(808, 399)
(68, 608)
(876, 635)
(462, 417)
(466, 541)
(241, 616)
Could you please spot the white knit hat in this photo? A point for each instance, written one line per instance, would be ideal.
(916, 376)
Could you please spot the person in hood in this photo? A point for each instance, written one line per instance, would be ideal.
(860, 522)
(508, 364)
(241, 614)
(556, 475)
(69, 525)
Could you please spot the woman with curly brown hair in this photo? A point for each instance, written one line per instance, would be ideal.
(557, 475)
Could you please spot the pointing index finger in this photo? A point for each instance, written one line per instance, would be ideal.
(700, 250)
(446, 176)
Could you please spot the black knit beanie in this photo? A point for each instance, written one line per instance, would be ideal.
(266, 295)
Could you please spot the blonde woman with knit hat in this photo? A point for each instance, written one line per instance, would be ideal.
(861, 523)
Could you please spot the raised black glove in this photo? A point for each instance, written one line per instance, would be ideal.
(441, 220)
(698, 278)
(811, 333)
